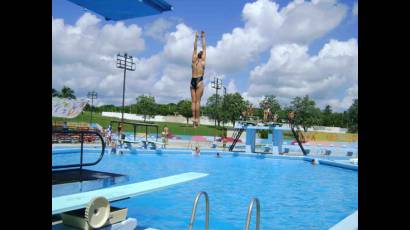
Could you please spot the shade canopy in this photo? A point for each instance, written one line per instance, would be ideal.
(124, 9)
(67, 108)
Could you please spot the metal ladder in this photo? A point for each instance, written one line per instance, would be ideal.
(258, 216)
(81, 133)
(191, 222)
(248, 217)
(236, 135)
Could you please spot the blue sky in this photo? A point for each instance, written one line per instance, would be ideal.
(217, 18)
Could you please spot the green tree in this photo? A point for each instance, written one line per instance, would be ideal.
(233, 106)
(67, 92)
(272, 103)
(258, 112)
(55, 93)
(172, 108)
(306, 114)
(214, 108)
(167, 109)
(162, 109)
(352, 114)
(146, 106)
(337, 120)
(184, 109)
(105, 108)
(327, 116)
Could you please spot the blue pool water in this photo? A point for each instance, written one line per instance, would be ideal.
(293, 193)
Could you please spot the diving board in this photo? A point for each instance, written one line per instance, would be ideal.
(124, 9)
(80, 200)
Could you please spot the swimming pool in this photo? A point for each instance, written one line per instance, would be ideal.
(293, 193)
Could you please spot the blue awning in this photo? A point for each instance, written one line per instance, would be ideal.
(124, 9)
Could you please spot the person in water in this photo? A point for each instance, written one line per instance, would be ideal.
(197, 152)
(197, 84)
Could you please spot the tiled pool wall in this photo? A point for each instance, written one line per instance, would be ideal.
(326, 160)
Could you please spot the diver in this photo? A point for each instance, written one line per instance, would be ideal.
(197, 84)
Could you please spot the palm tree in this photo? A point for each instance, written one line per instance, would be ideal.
(67, 92)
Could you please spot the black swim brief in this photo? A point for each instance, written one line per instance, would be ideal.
(195, 82)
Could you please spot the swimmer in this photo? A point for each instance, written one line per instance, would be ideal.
(218, 155)
(196, 152)
(197, 84)
(114, 147)
(315, 161)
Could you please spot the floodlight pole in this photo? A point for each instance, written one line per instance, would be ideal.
(92, 95)
(224, 105)
(127, 63)
(216, 84)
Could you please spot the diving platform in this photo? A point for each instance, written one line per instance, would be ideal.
(80, 200)
(80, 175)
(250, 128)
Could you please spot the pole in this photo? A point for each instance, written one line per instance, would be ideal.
(92, 95)
(224, 105)
(216, 104)
(217, 84)
(123, 92)
(124, 63)
(92, 103)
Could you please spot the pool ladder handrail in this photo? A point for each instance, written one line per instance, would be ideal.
(81, 133)
(248, 217)
(191, 222)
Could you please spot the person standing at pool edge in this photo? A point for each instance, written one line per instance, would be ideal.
(197, 85)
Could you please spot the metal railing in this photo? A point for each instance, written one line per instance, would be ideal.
(135, 125)
(236, 135)
(81, 133)
(191, 222)
(248, 217)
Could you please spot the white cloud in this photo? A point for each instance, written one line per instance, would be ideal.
(253, 100)
(174, 83)
(87, 43)
(290, 72)
(159, 29)
(84, 54)
(83, 57)
(301, 22)
(179, 45)
(355, 9)
(266, 24)
(231, 88)
(343, 103)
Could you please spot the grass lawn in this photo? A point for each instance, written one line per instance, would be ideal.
(174, 128)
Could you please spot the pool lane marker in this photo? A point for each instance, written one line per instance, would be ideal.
(80, 200)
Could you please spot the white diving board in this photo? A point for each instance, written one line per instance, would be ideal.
(80, 200)
(137, 141)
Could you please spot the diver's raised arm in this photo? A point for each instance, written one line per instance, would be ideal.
(203, 45)
(194, 55)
